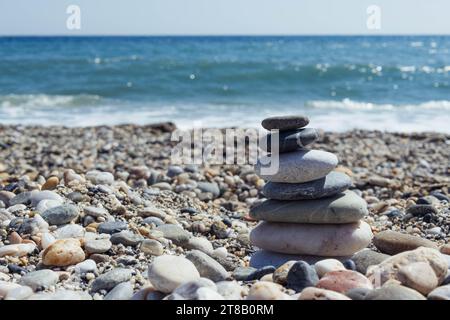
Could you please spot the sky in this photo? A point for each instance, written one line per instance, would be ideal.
(225, 17)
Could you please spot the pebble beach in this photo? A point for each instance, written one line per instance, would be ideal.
(101, 213)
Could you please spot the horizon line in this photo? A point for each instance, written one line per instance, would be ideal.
(219, 35)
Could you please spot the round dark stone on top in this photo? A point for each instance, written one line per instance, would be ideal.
(292, 140)
(285, 122)
(300, 276)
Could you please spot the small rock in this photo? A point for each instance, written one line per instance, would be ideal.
(189, 289)
(418, 276)
(343, 281)
(50, 184)
(419, 210)
(19, 293)
(365, 258)
(61, 215)
(300, 276)
(123, 291)
(127, 238)
(357, 293)
(328, 265)
(392, 242)
(97, 246)
(264, 290)
(17, 250)
(440, 293)
(167, 272)
(242, 273)
(394, 292)
(259, 273)
(175, 233)
(207, 266)
(230, 290)
(152, 247)
(70, 231)
(86, 266)
(312, 293)
(200, 243)
(40, 280)
(280, 274)
(63, 252)
(112, 278)
(112, 227)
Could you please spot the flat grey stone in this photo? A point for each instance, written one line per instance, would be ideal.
(112, 227)
(127, 238)
(175, 233)
(346, 207)
(61, 214)
(207, 266)
(39, 280)
(123, 291)
(291, 140)
(112, 278)
(285, 122)
(297, 166)
(366, 258)
(333, 183)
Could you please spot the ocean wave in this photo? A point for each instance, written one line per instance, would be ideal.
(349, 104)
(45, 100)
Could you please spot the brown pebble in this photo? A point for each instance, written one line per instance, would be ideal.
(50, 184)
(14, 238)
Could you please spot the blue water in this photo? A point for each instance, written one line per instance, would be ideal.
(386, 83)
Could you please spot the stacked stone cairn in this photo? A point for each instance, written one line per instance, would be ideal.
(310, 214)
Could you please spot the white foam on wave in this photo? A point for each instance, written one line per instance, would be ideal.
(85, 110)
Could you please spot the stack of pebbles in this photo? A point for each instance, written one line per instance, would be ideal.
(310, 213)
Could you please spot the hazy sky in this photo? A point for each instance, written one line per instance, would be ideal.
(230, 17)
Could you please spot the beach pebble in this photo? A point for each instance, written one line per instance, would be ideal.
(189, 290)
(394, 292)
(46, 204)
(418, 276)
(167, 272)
(46, 240)
(230, 290)
(123, 291)
(312, 293)
(210, 187)
(153, 220)
(242, 273)
(389, 268)
(97, 246)
(366, 258)
(64, 252)
(112, 227)
(312, 239)
(151, 211)
(285, 122)
(440, 293)
(17, 250)
(152, 247)
(445, 249)
(300, 276)
(175, 233)
(50, 184)
(37, 196)
(345, 207)
(333, 183)
(95, 211)
(357, 293)
(264, 290)
(344, 280)
(280, 274)
(110, 279)
(205, 293)
(298, 166)
(6, 287)
(61, 214)
(70, 231)
(207, 266)
(127, 238)
(420, 210)
(61, 294)
(290, 140)
(86, 266)
(200, 243)
(260, 273)
(328, 265)
(40, 280)
(392, 242)
(98, 177)
(19, 293)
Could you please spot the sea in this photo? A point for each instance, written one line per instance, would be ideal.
(387, 83)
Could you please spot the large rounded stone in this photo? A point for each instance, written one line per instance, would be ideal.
(345, 207)
(365, 258)
(394, 292)
(440, 293)
(63, 252)
(167, 272)
(418, 276)
(312, 293)
(207, 266)
(298, 166)
(344, 280)
(285, 122)
(39, 280)
(389, 268)
(392, 242)
(312, 239)
(290, 140)
(333, 183)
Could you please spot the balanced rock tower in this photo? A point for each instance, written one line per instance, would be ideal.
(310, 214)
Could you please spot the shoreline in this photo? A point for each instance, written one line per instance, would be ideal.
(391, 171)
